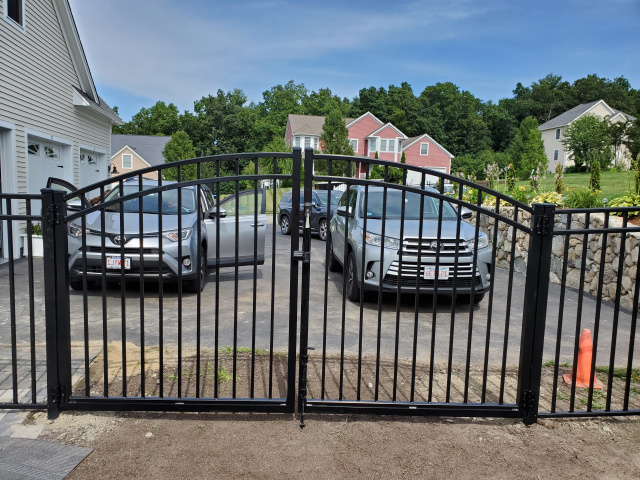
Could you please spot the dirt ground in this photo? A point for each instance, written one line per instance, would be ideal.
(168, 446)
(221, 445)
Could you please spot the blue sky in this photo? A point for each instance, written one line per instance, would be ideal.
(141, 51)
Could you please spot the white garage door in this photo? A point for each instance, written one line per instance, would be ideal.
(92, 168)
(415, 178)
(46, 159)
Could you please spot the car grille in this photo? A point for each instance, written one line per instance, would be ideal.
(127, 251)
(411, 282)
(134, 270)
(462, 274)
(417, 246)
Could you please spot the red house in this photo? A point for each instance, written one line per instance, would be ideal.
(368, 135)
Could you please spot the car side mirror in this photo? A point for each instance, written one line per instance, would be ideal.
(217, 212)
(343, 211)
(465, 213)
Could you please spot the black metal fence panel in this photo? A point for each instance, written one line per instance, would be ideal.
(182, 287)
(591, 360)
(427, 324)
(22, 327)
(181, 293)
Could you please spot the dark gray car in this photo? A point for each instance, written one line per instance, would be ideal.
(418, 250)
(321, 211)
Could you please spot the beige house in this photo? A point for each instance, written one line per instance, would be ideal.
(134, 152)
(553, 131)
(53, 123)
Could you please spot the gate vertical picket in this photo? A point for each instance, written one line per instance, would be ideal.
(535, 310)
(56, 292)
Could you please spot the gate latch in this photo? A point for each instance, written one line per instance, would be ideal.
(300, 256)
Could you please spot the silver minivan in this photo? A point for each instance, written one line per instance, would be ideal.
(163, 258)
(408, 263)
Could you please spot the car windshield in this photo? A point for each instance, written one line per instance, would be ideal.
(411, 206)
(150, 202)
(323, 195)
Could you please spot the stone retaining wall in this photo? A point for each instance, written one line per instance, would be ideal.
(574, 263)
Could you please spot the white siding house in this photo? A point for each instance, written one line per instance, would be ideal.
(52, 121)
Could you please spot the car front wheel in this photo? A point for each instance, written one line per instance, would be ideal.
(353, 291)
(322, 229)
(332, 263)
(285, 226)
(192, 285)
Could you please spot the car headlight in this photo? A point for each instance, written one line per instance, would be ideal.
(74, 230)
(376, 240)
(483, 242)
(173, 235)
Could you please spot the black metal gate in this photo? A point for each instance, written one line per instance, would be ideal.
(440, 308)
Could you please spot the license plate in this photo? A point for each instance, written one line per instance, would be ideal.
(430, 273)
(115, 263)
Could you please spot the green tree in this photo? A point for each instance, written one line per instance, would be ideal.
(277, 103)
(403, 109)
(452, 118)
(334, 140)
(501, 124)
(160, 119)
(527, 150)
(632, 140)
(545, 99)
(321, 102)
(179, 148)
(587, 138)
(617, 134)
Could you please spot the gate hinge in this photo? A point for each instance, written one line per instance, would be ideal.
(54, 216)
(300, 256)
(543, 226)
(58, 394)
(528, 400)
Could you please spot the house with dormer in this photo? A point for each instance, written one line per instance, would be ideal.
(368, 135)
(53, 123)
(553, 131)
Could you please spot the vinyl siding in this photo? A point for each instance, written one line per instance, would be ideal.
(137, 164)
(37, 77)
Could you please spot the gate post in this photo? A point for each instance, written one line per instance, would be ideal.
(535, 310)
(56, 298)
(305, 256)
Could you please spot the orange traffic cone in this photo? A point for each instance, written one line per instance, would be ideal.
(583, 371)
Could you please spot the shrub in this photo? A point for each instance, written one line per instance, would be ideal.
(511, 178)
(628, 200)
(522, 194)
(36, 229)
(534, 179)
(583, 198)
(490, 201)
(558, 179)
(594, 181)
(549, 197)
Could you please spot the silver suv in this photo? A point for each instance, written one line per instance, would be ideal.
(167, 261)
(418, 250)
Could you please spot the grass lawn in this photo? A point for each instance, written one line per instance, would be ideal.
(614, 184)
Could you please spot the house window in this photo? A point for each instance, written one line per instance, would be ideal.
(555, 155)
(307, 142)
(34, 149)
(373, 145)
(296, 141)
(127, 161)
(557, 134)
(15, 11)
(51, 152)
(354, 144)
(424, 148)
(383, 145)
(391, 146)
(315, 143)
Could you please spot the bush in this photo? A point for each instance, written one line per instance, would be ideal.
(558, 179)
(522, 194)
(628, 200)
(491, 202)
(583, 198)
(575, 169)
(549, 197)
(36, 229)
